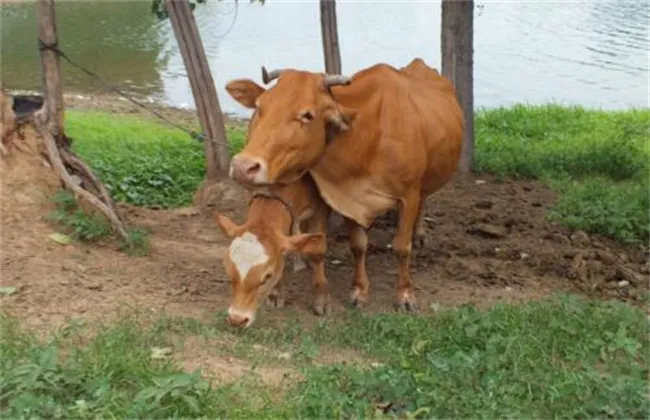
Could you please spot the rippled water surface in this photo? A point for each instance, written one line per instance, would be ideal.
(593, 53)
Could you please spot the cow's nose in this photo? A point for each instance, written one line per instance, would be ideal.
(237, 320)
(244, 169)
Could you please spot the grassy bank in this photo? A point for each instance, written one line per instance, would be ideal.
(598, 160)
(559, 357)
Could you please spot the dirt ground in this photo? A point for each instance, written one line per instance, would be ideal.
(488, 241)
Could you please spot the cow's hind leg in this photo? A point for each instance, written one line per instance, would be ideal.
(408, 210)
(318, 224)
(359, 247)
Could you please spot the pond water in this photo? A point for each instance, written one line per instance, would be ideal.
(591, 53)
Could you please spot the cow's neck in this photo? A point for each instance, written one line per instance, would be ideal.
(346, 184)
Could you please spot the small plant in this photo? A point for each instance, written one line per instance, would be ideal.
(81, 225)
(91, 227)
(137, 242)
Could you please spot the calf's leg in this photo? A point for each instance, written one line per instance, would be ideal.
(359, 247)
(318, 224)
(275, 299)
(408, 210)
(420, 237)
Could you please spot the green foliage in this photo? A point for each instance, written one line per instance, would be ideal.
(92, 227)
(618, 210)
(147, 164)
(141, 162)
(599, 160)
(137, 242)
(82, 226)
(542, 141)
(558, 357)
(159, 8)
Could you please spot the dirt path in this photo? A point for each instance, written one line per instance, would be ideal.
(488, 241)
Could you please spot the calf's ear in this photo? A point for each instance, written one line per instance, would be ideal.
(227, 226)
(306, 243)
(244, 91)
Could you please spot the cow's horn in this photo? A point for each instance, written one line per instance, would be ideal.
(269, 76)
(335, 79)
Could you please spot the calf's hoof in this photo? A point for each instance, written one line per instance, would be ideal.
(421, 241)
(275, 301)
(322, 305)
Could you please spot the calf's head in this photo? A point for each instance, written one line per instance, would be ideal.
(254, 263)
(289, 127)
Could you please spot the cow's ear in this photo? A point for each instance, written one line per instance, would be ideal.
(244, 91)
(340, 118)
(227, 225)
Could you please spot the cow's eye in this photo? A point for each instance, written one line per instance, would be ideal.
(307, 116)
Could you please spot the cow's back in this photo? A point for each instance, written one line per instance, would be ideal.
(408, 132)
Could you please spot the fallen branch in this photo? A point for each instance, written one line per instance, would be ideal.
(57, 163)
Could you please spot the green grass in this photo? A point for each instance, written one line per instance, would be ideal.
(560, 357)
(90, 227)
(141, 162)
(598, 160)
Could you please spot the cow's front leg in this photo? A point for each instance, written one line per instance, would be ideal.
(359, 247)
(408, 210)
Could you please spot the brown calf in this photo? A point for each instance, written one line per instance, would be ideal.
(256, 257)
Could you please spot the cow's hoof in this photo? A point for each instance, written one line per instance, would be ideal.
(358, 299)
(406, 302)
(322, 304)
(406, 306)
(275, 301)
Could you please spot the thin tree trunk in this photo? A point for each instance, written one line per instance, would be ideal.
(330, 36)
(457, 45)
(205, 96)
(53, 106)
(75, 175)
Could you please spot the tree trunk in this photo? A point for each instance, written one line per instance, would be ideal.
(53, 106)
(457, 45)
(75, 175)
(330, 36)
(205, 96)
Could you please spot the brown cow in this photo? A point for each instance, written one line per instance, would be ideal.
(382, 139)
(256, 257)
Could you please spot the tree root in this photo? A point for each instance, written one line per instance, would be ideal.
(57, 157)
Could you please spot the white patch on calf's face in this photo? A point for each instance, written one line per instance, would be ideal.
(246, 252)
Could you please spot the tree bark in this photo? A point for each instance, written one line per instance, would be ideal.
(53, 106)
(457, 45)
(330, 36)
(205, 96)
